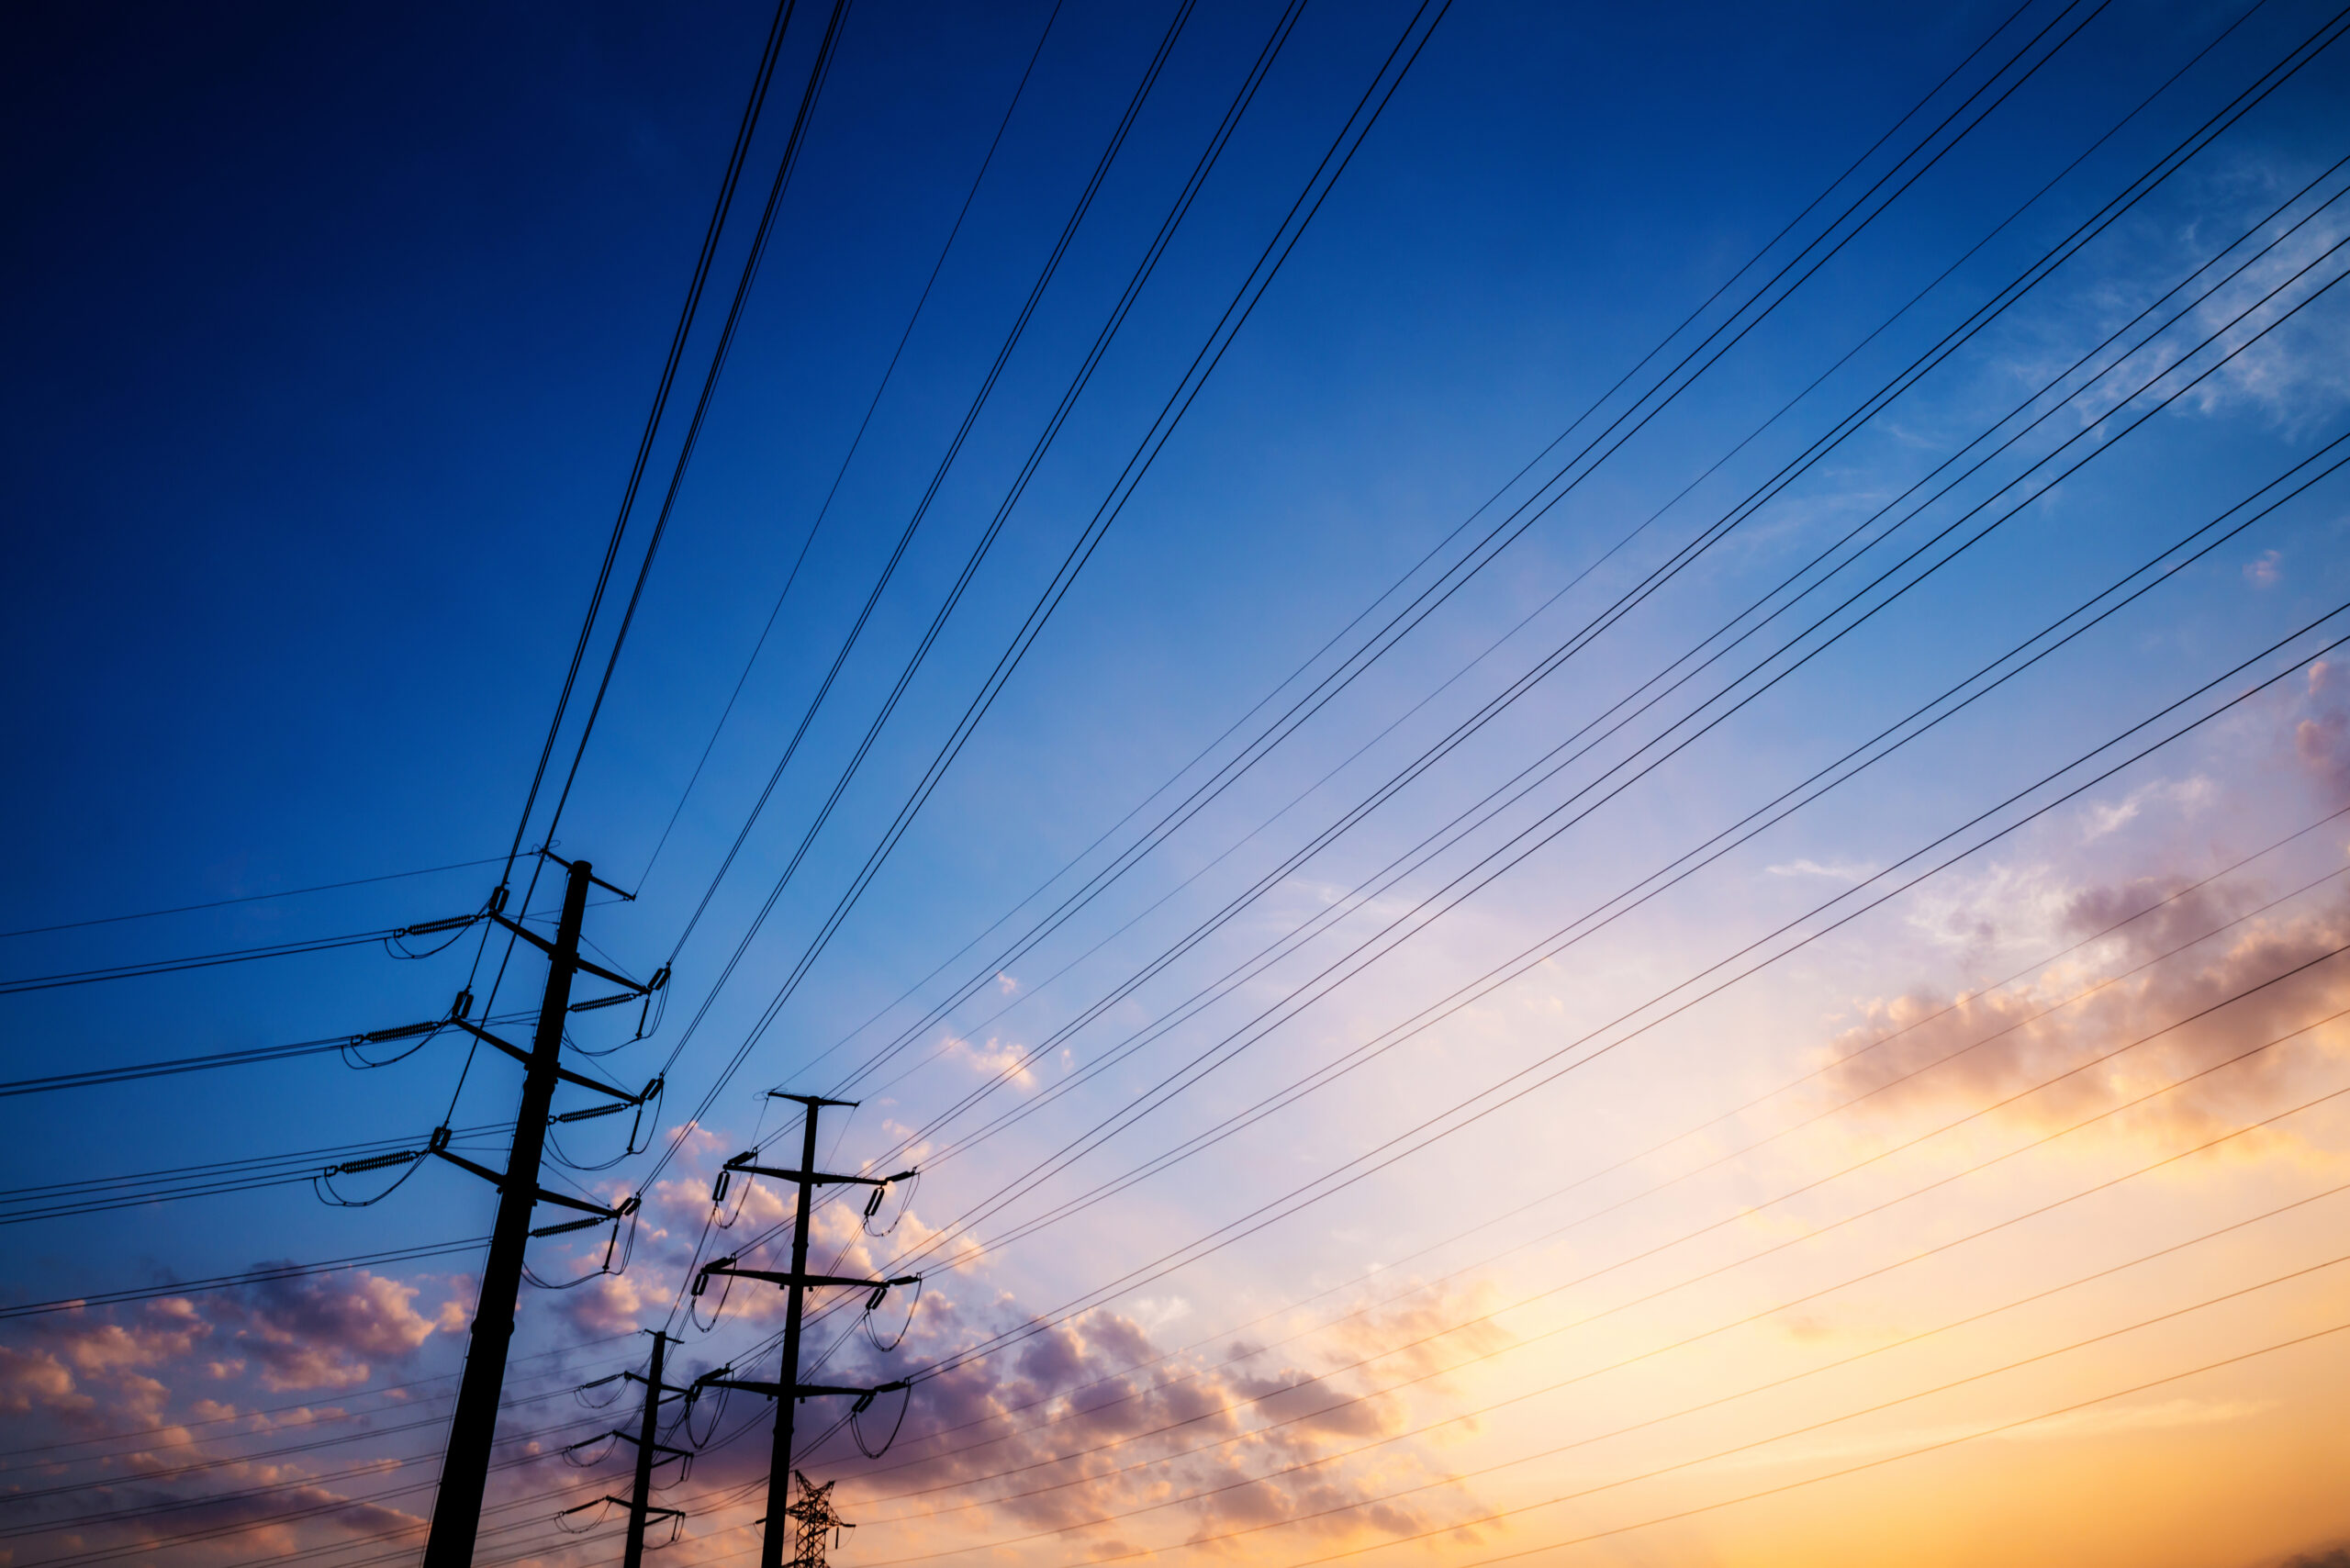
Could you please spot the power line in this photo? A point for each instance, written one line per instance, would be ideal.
(855, 442)
(744, 133)
(233, 956)
(1202, 1542)
(1391, 874)
(1840, 1063)
(1194, 377)
(1313, 658)
(818, 74)
(1834, 1475)
(1426, 603)
(95, 1194)
(265, 1275)
(1555, 1064)
(1656, 1294)
(244, 1057)
(249, 898)
(1391, 927)
(922, 508)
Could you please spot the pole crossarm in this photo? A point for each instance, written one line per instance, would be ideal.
(624, 895)
(741, 1162)
(664, 1391)
(786, 1277)
(498, 1179)
(649, 1510)
(799, 1390)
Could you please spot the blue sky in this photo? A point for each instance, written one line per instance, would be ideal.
(337, 331)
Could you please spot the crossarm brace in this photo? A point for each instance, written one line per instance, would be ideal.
(543, 946)
(498, 1179)
(519, 1054)
(740, 1162)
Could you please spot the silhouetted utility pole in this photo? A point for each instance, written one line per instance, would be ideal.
(465, 1471)
(639, 1505)
(788, 1390)
(640, 1508)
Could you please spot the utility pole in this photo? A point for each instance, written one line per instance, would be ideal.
(465, 1469)
(639, 1506)
(788, 1390)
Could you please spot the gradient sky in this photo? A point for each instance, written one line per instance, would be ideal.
(1996, 1214)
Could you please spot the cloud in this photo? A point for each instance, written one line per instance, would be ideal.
(164, 1486)
(1083, 1420)
(1934, 1053)
(994, 1060)
(2264, 570)
(2184, 795)
(1073, 1421)
(36, 1380)
(1837, 872)
(319, 1332)
(2321, 729)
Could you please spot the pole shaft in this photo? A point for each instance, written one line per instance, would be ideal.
(780, 1475)
(641, 1499)
(464, 1472)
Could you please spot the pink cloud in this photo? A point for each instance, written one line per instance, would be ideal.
(317, 1332)
(1936, 1054)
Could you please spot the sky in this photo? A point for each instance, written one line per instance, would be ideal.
(1578, 776)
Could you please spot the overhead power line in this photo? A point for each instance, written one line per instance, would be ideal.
(1239, 1332)
(1425, 1340)
(1285, 238)
(1412, 859)
(250, 898)
(1521, 518)
(233, 956)
(1468, 1111)
(743, 135)
(856, 441)
(260, 1276)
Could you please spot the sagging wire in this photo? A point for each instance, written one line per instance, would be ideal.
(323, 1188)
(718, 1412)
(423, 1034)
(905, 1201)
(580, 1393)
(656, 1004)
(456, 927)
(656, 1094)
(571, 1043)
(626, 1214)
(864, 1402)
(872, 1303)
(587, 1528)
(717, 1199)
(322, 1185)
(701, 1282)
(570, 1452)
(354, 1056)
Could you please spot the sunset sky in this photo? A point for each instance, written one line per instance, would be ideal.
(1581, 776)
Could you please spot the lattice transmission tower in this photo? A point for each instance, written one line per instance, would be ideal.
(819, 1525)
